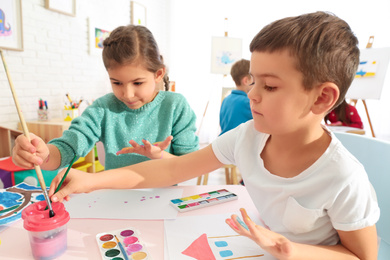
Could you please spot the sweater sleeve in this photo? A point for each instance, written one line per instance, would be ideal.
(183, 129)
(82, 134)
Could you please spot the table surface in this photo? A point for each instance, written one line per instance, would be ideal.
(14, 241)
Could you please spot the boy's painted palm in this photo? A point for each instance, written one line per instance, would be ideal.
(272, 242)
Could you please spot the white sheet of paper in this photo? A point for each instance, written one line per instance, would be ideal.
(124, 204)
(181, 232)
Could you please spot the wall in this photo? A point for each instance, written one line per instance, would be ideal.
(195, 22)
(56, 58)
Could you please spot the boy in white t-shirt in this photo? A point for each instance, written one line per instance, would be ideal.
(312, 194)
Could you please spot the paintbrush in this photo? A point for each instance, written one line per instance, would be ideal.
(122, 249)
(27, 134)
(66, 173)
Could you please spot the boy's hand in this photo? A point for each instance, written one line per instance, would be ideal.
(23, 151)
(152, 151)
(274, 243)
(75, 182)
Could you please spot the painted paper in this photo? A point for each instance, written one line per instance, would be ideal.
(366, 69)
(14, 199)
(208, 237)
(224, 52)
(124, 204)
(371, 74)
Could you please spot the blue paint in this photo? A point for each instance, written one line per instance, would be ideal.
(221, 243)
(176, 201)
(40, 197)
(9, 199)
(361, 73)
(25, 186)
(242, 223)
(226, 253)
(221, 197)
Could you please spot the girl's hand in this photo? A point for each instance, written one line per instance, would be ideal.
(274, 243)
(152, 151)
(75, 182)
(26, 154)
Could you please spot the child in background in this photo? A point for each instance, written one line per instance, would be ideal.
(314, 197)
(136, 111)
(235, 108)
(344, 115)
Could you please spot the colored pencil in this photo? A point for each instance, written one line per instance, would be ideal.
(27, 134)
(122, 249)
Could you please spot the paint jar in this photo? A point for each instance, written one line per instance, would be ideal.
(48, 235)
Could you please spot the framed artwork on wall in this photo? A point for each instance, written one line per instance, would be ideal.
(11, 27)
(137, 13)
(97, 34)
(67, 7)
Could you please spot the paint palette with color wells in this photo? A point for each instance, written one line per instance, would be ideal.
(203, 200)
(131, 245)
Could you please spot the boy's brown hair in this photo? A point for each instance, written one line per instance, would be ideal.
(324, 46)
(239, 70)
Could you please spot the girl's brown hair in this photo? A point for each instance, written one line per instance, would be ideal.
(133, 44)
(342, 112)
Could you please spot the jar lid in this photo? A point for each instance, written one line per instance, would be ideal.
(36, 216)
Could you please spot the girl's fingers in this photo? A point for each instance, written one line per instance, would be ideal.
(125, 150)
(133, 143)
(54, 183)
(26, 159)
(24, 144)
(147, 144)
(164, 144)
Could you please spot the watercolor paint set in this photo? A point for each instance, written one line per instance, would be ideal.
(203, 200)
(122, 244)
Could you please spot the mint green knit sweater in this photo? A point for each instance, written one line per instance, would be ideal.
(112, 122)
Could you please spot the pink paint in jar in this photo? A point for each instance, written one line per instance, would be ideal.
(48, 236)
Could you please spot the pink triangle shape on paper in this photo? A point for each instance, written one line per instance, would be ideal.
(200, 249)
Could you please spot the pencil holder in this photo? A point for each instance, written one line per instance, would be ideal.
(70, 114)
(48, 235)
(43, 115)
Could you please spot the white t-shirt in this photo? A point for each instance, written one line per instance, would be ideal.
(333, 193)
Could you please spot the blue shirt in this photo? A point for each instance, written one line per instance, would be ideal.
(235, 110)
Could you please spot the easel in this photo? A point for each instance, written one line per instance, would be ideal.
(230, 170)
(208, 101)
(354, 101)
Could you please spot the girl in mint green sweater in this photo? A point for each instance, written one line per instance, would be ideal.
(157, 124)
